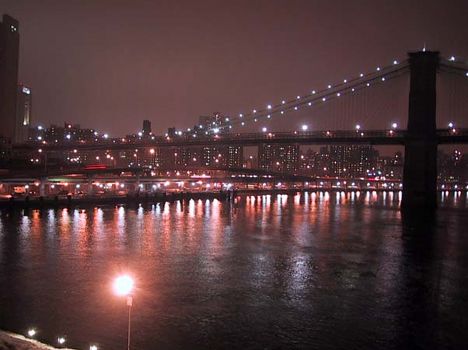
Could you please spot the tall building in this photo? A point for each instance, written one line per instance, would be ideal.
(23, 114)
(278, 157)
(348, 160)
(9, 54)
(214, 124)
(146, 127)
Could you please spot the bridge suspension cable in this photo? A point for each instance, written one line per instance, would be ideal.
(331, 92)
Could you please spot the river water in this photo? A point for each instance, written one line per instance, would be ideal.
(304, 271)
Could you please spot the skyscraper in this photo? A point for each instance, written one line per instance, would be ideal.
(9, 54)
(23, 114)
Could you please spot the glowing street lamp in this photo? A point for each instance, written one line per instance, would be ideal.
(123, 286)
(31, 332)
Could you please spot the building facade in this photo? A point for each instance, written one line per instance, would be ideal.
(9, 55)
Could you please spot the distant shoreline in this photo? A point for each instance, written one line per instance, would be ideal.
(158, 197)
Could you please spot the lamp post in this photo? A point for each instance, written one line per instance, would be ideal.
(123, 286)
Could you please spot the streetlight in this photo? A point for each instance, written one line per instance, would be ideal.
(123, 286)
(31, 332)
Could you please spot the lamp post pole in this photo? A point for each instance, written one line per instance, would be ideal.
(129, 304)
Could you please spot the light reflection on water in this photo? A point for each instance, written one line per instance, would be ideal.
(310, 270)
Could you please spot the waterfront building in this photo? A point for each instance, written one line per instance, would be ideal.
(23, 114)
(279, 157)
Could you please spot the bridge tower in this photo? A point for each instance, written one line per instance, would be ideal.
(420, 168)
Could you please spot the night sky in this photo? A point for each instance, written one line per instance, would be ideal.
(111, 64)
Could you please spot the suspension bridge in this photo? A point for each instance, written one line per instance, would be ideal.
(335, 107)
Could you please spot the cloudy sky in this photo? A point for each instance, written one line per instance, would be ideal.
(109, 64)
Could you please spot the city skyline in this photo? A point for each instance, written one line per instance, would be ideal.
(170, 63)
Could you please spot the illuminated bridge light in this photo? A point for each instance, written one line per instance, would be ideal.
(378, 69)
(269, 107)
(368, 84)
(338, 94)
(282, 112)
(395, 62)
(314, 92)
(452, 59)
(324, 99)
(295, 108)
(310, 104)
(329, 86)
(298, 97)
(241, 115)
(345, 81)
(383, 79)
(361, 75)
(283, 102)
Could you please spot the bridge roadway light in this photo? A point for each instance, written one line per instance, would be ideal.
(394, 125)
(304, 127)
(451, 125)
(358, 127)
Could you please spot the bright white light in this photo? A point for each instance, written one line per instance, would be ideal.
(368, 84)
(216, 130)
(450, 125)
(394, 125)
(255, 111)
(310, 104)
(466, 74)
(395, 62)
(304, 127)
(324, 99)
(338, 94)
(358, 127)
(298, 97)
(93, 347)
(452, 58)
(329, 86)
(242, 123)
(40, 127)
(268, 116)
(378, 69)
(269, 107)
(345, 81)
(361, 75)
(295, 108)
(283, 102)
(31, 332)
(60, 340)
(383, 78)
(282, 112)
(123, 285)
(264, 129)
(314, 92)
(68, 136)
(106, 136)
(240, 115)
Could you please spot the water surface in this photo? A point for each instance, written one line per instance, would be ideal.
(314, 270)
